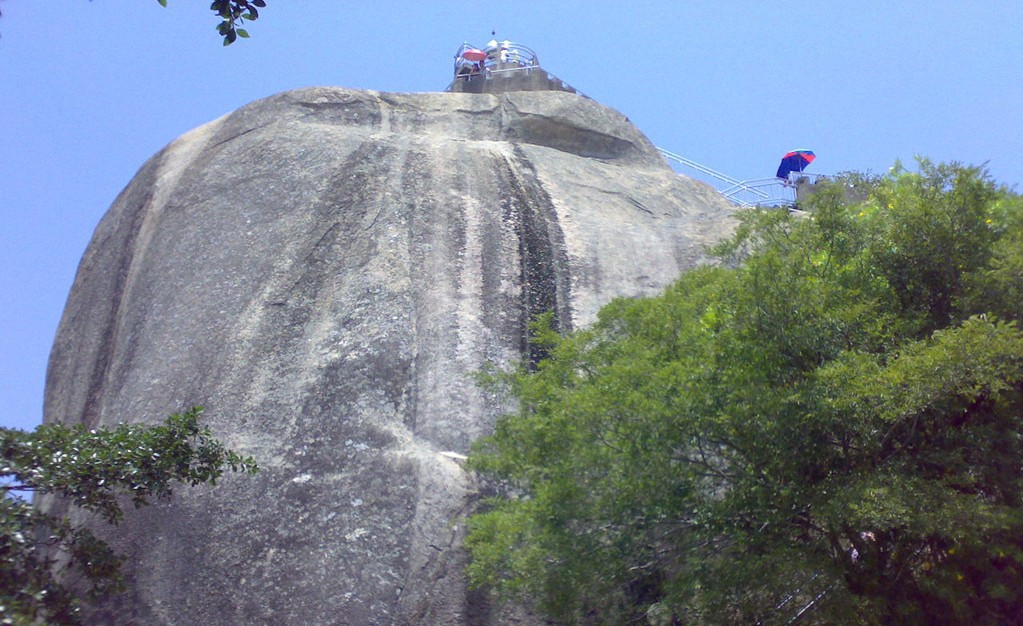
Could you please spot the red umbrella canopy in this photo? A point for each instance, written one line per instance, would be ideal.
(474, 54)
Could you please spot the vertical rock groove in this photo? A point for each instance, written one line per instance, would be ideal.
(544, 279)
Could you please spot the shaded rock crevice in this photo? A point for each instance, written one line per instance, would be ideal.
(544, 278)
(126, 253)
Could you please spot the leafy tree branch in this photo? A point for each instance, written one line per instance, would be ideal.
(233, 13)
(94, 470)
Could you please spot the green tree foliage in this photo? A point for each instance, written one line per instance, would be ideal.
(233, 14)
(94, 470)
(827, 429)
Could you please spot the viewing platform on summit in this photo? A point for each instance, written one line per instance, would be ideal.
(500, 67)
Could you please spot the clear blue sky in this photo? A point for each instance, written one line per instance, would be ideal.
(90, 90)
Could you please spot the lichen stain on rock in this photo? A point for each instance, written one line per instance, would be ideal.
(325, 270)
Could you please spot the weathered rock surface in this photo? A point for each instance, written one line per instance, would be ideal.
(324, 270)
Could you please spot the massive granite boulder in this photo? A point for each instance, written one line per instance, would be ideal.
(324, 270)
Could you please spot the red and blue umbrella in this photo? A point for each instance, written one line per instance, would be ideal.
(795, 161)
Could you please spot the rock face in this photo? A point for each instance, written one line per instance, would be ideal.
(324, 270)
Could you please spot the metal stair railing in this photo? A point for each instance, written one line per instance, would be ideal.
(767, 192)
(761, 192)
(738, 191)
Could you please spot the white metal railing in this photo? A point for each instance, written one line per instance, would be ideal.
(678, 158)
(506, 56)
(748, 193)
(762, 192)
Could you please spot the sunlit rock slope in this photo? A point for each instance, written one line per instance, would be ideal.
(324, 270)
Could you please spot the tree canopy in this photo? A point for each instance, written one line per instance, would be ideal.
(93, 470)
(825, 428)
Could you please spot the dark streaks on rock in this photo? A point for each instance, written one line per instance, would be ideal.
(544, 280)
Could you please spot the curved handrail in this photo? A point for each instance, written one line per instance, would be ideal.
(461, 61)
(511, 52)
(504, 56)
(765, 192)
